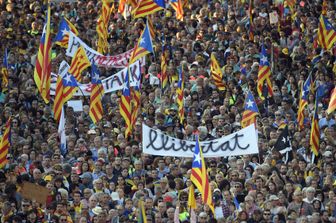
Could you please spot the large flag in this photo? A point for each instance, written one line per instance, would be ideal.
(144, 45)
(142, 212)
(303, 101)
(315, 131)
(251, 110)
(251, 34)
(264, 74)
(5, 144)
(326, 34)
(125, 105)
(66, 86)
(147, 7)
(42, 71)
(96, 106)
(102, 26)
(136, 103)
(4, 72)
(164, 74)
(62, 37)
(216, 73)
(191, 197)
(79, 63)
(283, 144)
(332, 103)
(61, 133)
(177, 5)
(199, 175)
(180, 95)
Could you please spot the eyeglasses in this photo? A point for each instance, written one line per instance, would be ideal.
(267, 213)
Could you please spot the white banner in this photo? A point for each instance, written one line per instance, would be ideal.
(112, 83)
(242, 142)
(116, 61)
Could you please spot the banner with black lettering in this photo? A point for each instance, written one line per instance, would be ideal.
(242, 142)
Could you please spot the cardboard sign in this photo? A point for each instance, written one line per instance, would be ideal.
(35, 192)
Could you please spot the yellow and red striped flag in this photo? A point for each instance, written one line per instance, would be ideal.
(251, 110)
(216, 73)
(315, 131)
(147, 7)
(303, 101)
(264, 74)
(326, 34)
(164, 74)
(42, 71)
(177, 5)
(135, 100)
(324, 7)
(180, 95)
(4, 73)
(191, 197)
(97, 92)
(332, 103)
(102, 26)
(251, 34)
(125, 106)
(79, 63)
(62, 37)
(199, 175)
(5, 144)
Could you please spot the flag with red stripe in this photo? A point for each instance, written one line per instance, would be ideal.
(332, 103)
(79, 63)
(180, 95)
(251, 35)
(147, 7)
(4, 73)
(62, 37)
(42, 71)
(303, 101)
(315, 131)
(5, 144)
(97, 92)
(216, 73)
(164, 74)
(251, 110)
(199, 175)
(326, 34)
(125, 105)
(102, 26)
(264, 75)
(177, 5)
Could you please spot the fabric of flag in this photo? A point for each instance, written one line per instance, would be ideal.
(324, 7)
(283, 144)
(61, 133)
(251, 35)
(62, 36)
(164, 74)
(191, 197)
(250, 112)
(326, 34)
(179, 93)
(5, 144)
(303, 101)
(125, 105)
(332, 103)
(102, 26)
(136, 103)
(42, 71)
(177, 5)
(199, 175)
(66, 87)
(142, 213)
(79, 63)
(147, 7)
(264, 75)
(144, 45)
(216, 73)
(291, 4)
(315, 131)
(97, 92)
(4, 72)
(316, 59)
(122, 6)
(150, 25)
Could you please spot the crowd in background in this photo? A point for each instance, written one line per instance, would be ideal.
(104, 175)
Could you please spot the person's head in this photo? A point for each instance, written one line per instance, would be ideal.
(203, 217)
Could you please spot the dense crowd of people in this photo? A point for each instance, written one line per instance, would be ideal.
(103, 175)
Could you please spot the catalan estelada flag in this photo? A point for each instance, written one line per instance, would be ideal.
(125, 105)
(102, 26)
(326, 34)
(216, 73)
(264, 75)
(251, 34)
(332, 103)
(79, 63)
(66, 86)
(164, 74)
(180, 95)
(5, 144)
(135, 100)
(62, 37)
(303, 101)
(147, 7)
(250, 112)
(97, 92)
(315, 131)
(199, 175)
(42, 72)
(142, 212)
(177, 5)
(4, 72)
(144, 45)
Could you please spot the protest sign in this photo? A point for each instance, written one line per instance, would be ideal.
(242, 142)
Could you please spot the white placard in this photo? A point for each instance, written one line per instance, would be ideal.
(77, 105)
(242, 142)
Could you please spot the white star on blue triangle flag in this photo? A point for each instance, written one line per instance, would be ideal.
(263, 57)
(62, 29)
(95, 74)
(146, 40)
(69, 80)
(197, 160)
(126, 90)
(250, 103)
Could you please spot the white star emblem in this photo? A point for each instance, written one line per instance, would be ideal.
(263, 59)
(197, 158)
(95, 77)
(142, 41)
(249, 103)
(68, 78)
(64, 31)
(125, 88)
(284, 139)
